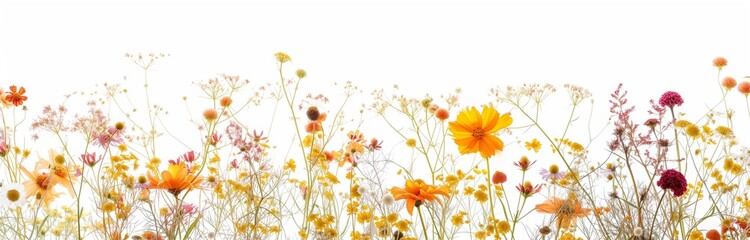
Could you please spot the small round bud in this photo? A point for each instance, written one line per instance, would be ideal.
(313, 113)
(545, 230)
(142, 179)
(120, 126)
(59, 159)
(554, 169)
(301, 73)
(499, 177)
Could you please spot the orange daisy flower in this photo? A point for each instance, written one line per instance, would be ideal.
(474, 132)
(16, 96)
(566, 211)
(417, 192)
(175, 179)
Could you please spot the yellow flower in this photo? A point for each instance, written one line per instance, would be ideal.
(481, 196)
(724, 131)
(474, 132)
(503, 227)
(534, 144)
(282, 57)
(411, 142)
(693, 131)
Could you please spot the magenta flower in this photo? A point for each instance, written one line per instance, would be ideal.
(670, 99)
(673, 180)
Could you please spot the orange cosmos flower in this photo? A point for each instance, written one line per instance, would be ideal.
(59, 172)
(4, 99)
(474, 132)
(417, 192)
(175, 179)
(40, 185)
(16, 96)
(566, 211)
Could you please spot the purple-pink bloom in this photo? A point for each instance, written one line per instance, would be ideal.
(109, 137)
(547, 175)
(673, 180)
(670, 99)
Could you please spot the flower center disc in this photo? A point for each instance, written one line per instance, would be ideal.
(13, 195)
(477, 133)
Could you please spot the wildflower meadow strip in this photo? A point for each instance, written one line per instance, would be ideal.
(271, 160)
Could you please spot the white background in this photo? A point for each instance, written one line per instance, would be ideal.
(55, 48)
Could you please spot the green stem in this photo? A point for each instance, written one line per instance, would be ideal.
(676, 141)
(656, 213)
(489, 189)
(424, 228)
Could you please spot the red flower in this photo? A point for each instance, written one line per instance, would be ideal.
(673, 180)
(499, 177)
(670, 99)
(16, 96)
(713, 235)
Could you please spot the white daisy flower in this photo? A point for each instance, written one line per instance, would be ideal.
(11, 195)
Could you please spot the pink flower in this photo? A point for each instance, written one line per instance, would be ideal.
(651, 123)
(670, 99)
(190, 156)
(90, 159)
(673, 180)
(214, 139)
(109, 137)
